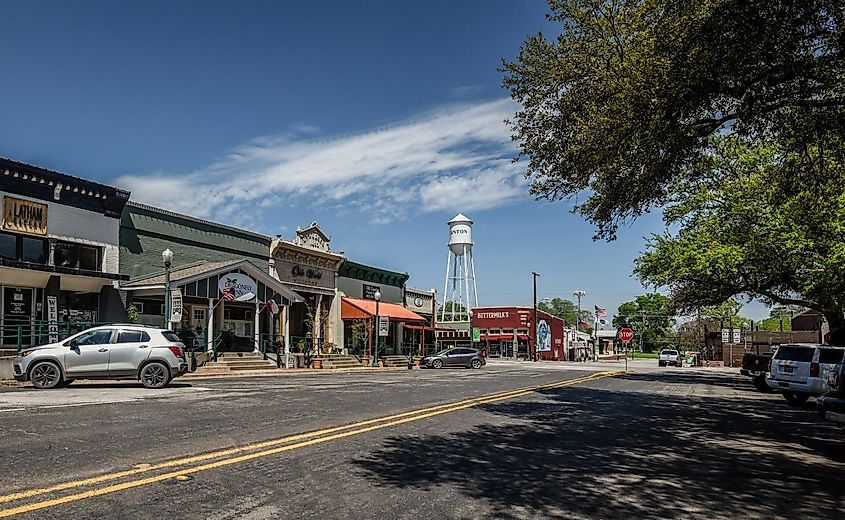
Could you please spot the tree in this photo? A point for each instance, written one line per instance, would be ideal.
(460, 311)
(567, 311)
(650, 318)
(756, 226)
(780, 318)
(362, 330)
(623, 103)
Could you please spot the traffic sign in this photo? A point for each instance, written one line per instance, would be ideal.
(626, 335)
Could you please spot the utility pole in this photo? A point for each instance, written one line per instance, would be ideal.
(578, 294)
(534, 324)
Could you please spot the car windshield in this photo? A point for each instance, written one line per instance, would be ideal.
(670, 352)
(795, 353)
(443, 352)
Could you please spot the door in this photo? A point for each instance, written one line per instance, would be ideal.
(128, 350)
(17, 315)
(456, 357)
(90, 356)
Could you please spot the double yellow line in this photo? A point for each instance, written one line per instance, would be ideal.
(254, 451)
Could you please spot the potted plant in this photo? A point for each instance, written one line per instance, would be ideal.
(316, 363)
(365, 361)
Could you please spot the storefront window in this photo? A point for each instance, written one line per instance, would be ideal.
(8, 246)
(34, 250)
(78, 256)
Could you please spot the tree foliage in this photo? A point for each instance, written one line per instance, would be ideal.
(567, 311)
(624, 102)
(651, 319)
(754, 226)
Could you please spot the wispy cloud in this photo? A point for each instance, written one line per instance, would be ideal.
(456, 157)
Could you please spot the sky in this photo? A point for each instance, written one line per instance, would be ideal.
(380, 120)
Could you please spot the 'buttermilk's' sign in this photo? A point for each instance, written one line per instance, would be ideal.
(24, 216)
(492, 315)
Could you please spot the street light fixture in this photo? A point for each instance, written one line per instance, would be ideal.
(167, 258)
(377, 298)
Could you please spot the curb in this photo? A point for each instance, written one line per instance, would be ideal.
(835, 417)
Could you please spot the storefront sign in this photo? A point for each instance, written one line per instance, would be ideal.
(303, 274)
(383, 326)
(369, 291)
(24, 216)
(176, 306)
(492, 315)
(476, 334)
(240, 284)
(52, 319)
(544, 336)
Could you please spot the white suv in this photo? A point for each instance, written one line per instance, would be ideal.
(153, 356)
(800, 370)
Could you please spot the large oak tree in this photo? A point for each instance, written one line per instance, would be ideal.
(623, 101)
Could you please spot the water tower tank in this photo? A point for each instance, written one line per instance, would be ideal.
(460, 234)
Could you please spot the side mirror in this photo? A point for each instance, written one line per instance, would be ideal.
(73, 343)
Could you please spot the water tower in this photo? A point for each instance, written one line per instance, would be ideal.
(460, 271)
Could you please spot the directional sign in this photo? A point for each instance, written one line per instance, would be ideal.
(737, 336)
(726, 335)
(626, 335)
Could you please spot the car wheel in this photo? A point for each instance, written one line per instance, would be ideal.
(761, 386)
(437, 363)
(45, 375)
(155, 375)
(476, 364)
(795, 399)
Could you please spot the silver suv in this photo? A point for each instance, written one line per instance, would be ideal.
(153, 356)
(800, 370)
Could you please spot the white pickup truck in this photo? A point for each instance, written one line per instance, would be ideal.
(800, 370)
(669, 357)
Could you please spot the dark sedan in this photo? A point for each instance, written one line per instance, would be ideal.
(455, 357)
(834, 399)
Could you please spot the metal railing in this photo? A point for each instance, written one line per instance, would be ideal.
(23, 333)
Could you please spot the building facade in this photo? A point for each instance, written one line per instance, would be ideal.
(59, 258)
(308, 266)
(511, 332)
(208, 259)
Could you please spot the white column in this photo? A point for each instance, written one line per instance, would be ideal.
(209, 331)
(286, 332)
(255, 333)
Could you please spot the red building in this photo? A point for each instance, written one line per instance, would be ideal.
(509, 332)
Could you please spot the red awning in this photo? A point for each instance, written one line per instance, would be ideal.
(354, 308)
(496, 337)
(522, 337)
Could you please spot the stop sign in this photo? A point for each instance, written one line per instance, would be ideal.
(626, 335)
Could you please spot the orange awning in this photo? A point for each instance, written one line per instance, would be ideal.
(354, 308)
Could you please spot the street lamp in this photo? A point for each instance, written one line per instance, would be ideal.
(167, 258)
(377, 297)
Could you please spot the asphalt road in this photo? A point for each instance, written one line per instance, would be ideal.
(508, 441)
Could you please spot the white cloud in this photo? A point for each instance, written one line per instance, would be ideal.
(457, 157)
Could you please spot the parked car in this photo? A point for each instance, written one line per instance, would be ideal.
(834, 399)
(669, 357)
(756, 366)
(800, 370)
(150, 355)
(455, 357)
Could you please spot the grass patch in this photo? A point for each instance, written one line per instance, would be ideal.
(644, 355)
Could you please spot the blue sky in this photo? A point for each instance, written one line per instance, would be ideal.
(380, 119)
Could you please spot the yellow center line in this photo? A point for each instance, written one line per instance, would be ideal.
(361, 428)
(236, 450)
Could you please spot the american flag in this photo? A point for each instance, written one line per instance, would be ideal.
(600, 313)
(228, 294)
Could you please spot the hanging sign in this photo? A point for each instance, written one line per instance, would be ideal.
(240, 284)
(383, 326)
(476, 335)
(176, 306)
(52, 319)
(24, 216)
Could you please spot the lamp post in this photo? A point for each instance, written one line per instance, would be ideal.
(167, 258)
(377, 297)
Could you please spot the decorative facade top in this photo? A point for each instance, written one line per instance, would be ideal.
(313, 237)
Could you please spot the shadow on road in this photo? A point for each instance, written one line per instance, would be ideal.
(598, 453)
